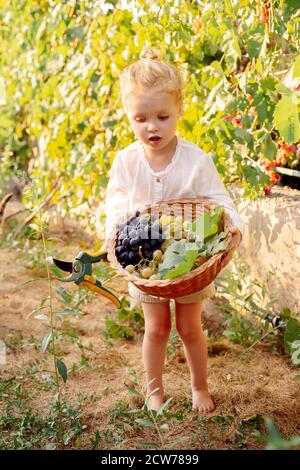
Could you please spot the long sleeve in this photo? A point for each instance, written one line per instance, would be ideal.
(116, 201)
(213, 188)
(134, 184)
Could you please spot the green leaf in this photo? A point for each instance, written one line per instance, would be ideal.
(296, 68)
(66, 296)
(45, 341)
(162, 408)
(156, 445)
(255, 41)
(62, 369)
(50, 446)
(231, 48)
(263, 107)
(284, 90)
(295, 347)
(110, 124)
(42, 316)
(243, 135)
(275, 439)
(214, 94)
(133, 391)
(179, 259)
(252, 175)
(2, 91)
(259, 66)
(268, 83)
(144, 422)
(286, 313)
(68, 311)
(286, 120)
(269, 148)
(196, 84)
(213, 245)
(76, 32)
(292, 4)
(5, 122)
(217, 67)
(291, 334)
(208, 224)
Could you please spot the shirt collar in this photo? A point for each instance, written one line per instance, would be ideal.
(168, 167)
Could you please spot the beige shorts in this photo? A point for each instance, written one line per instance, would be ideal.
(205, 293)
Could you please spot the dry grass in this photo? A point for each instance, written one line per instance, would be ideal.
(245, 387)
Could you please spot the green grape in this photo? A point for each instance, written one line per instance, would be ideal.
(157, 254)
(130, 268)
(166, 220)
(147, 272)
(177, 231)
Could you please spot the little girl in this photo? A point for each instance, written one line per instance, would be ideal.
(158, 166)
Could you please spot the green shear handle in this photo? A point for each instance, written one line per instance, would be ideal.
(81, 273)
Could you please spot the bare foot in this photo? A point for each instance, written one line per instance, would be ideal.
(155, 401)
(202, 401)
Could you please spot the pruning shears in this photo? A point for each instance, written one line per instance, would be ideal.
(80, 270)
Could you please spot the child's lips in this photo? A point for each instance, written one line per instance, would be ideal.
(155, 139)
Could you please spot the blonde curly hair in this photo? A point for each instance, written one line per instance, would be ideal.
(149, 72)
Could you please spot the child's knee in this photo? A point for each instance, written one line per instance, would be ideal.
(158, 331)
(187, 332)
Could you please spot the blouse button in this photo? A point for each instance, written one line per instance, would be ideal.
(157, 180)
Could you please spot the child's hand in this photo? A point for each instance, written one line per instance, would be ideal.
(234, 239)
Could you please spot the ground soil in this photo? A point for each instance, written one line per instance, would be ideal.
(245, 385)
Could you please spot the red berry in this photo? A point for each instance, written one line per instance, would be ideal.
(291, 148)
(267, 191)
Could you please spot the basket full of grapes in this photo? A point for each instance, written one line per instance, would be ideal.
(172, 248)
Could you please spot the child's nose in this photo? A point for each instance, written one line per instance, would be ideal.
(152, 126)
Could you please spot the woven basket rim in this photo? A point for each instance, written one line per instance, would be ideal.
(177, 280)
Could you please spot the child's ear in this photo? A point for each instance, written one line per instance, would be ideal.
(181, 111)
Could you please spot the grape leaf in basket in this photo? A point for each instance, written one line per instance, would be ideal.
(181, 256)
(179, 259)
(214, 245)
(207, 225)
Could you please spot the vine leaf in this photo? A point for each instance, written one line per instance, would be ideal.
(62, 369)
(286, 119)
(179, 259)
(45, 341)
(296, 68)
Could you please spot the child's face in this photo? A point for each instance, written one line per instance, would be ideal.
(153, 115)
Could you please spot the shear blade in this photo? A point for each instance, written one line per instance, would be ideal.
(63, 265)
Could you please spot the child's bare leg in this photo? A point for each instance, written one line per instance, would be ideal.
(189, 327)
(157, 331)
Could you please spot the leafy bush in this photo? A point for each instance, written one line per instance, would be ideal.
(61, 115)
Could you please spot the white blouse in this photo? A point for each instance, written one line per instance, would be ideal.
(133, 184)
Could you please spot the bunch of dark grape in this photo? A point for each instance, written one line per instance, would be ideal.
(138, 239)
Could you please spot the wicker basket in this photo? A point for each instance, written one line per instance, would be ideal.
(191, 282)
